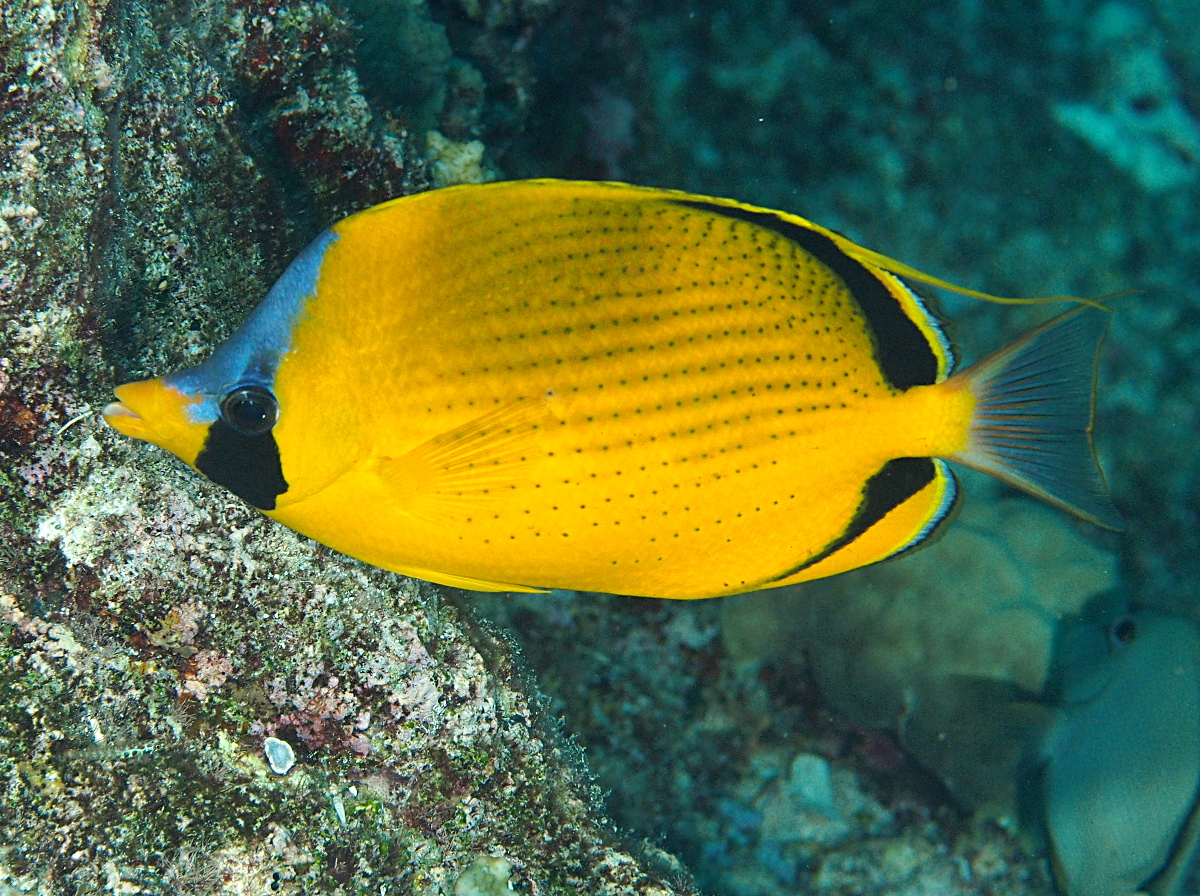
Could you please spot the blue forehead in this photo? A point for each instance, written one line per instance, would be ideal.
(252, 354)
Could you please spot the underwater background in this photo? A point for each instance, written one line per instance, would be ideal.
(195, 700)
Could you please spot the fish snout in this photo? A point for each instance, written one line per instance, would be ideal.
(154, 412)
(131, 414)
(114, 410)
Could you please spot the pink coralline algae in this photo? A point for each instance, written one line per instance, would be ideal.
(320, 706)
(206, 671)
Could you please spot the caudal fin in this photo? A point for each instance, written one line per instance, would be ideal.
(1032, 425)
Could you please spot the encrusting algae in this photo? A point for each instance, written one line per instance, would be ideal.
(591, 386)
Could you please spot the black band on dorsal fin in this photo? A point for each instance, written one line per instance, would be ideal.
(901, 349)
(894, 484)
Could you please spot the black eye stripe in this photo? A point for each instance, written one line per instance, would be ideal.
(248, 466)
(240, 452)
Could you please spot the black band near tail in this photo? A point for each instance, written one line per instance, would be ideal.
(898, 481)
(249, 466)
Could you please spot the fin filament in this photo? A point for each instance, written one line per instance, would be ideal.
(900, 269)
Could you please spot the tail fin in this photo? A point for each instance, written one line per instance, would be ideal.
(1032, 425)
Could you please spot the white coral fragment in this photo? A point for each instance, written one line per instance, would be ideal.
(1135, 118)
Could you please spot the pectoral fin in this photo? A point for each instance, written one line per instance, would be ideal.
(457, 472)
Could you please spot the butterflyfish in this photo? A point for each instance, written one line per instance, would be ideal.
(593, 386)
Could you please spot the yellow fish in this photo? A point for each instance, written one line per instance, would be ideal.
(595, 386)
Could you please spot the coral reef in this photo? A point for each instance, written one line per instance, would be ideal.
(950, 648)
(414, 751)
(157, 638)
(1138, 119)
(741, 767)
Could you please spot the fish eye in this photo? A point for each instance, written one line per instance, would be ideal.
(1123, 631)
(250, 410)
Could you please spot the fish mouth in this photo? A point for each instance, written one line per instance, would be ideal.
(116, 409)
(154, 412)
(122, 417)
(124, 420)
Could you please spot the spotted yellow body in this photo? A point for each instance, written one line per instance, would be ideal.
(549, 384)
